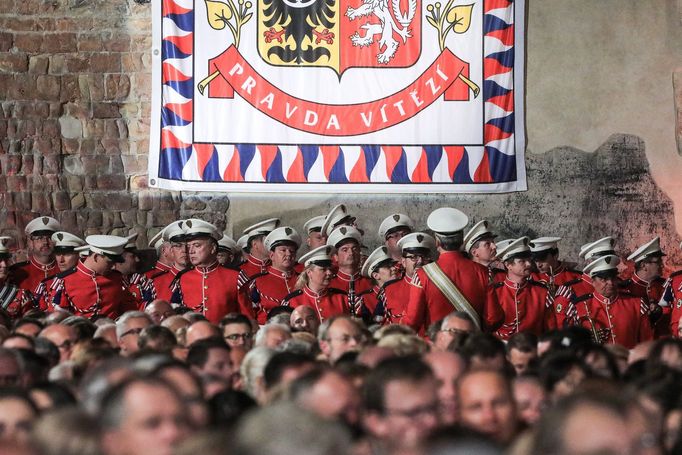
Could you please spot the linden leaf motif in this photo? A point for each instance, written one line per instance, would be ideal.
(218, 14)
(396, 217)
(287, 231)
(343, 231)
(420, 238)
(46, 220)
(460, 17)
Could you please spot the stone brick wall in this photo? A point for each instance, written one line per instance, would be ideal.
(74, 124)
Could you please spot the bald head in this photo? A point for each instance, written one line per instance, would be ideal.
(175, 322)
(201, 330)
(305, 319)
(159, 310)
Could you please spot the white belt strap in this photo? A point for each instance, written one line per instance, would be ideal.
(451, 292)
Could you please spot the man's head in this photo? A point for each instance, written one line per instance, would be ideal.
(304, 319)
(400, 402)
(448, 225)
(255, 237)
(5, 258)
(479, 243)
(530, 398)
(416, 250)
(10, 370)
(272, 335)
(346, 241)
(516, 257)
(393, 228)
(227, 250)
(486, 404)
(237, 331)
(338, 335)
(328, 394)
(454, 325)
(648, 260)
(545, 254)
(201, 330)
(202, 242)
(62, 336)
(128, 328)
(142, 416)
(483, 350)
(129, 264)
(39, 237)
(380, 266)
(282, 243)
(210, 358)
(64, 249)
(285, 367)
(313, 228)
(604, 274)
(522, 350)
(158, 310)
(157, 338)
(447, 367)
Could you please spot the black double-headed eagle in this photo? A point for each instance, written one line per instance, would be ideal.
(299, 18)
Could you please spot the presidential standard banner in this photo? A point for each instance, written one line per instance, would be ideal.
(338, 96)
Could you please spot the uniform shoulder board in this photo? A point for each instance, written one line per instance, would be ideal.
(18, 265)
(65, 273)
(497, 284)
(678, 273)
(154, 276)
(336, 291)
(291, 295)
(582, 298)
(572, 282)
(180, 273)
(390, 282)
(538, 283)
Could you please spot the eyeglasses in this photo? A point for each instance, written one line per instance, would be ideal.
(46, 237)
(414, 257)
(132, 332)
(237, 336)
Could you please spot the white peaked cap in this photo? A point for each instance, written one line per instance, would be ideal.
(4, 246)
(419, 240)
(262, 227)
(342, 233)
(649, 249)
(243, 241)
(227, 243)
(175, 230)
(447, 220)
(282, 234)
(514, 247)
(132, 241)
(314, 223)
(66, 240)
(544, 243)
(376, 258)
(42, 223)
(480, 230)
(589, 250)
(394, 221)
(334, 216)
(320, 254)
(602, 264)
(107, 245)
(195, 227)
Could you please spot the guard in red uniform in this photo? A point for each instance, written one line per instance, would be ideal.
(427, 303)
(313, 229)
(672, 299)
(14, 300)
(479, 244)
(647, 283)
(550, 270)
(385, 302)
(41, 263)
(315, 291)
(140, 287)
(417, 249)
(612, 317)
(93, 288)
(207, 288)
(164, 253)
(393, 228)
(174, 236)
(527, 304)
(257, 257)
(571, 290)
(267, 290)
(67, 257)
(337, 216)
(346, 241)
(227, 251)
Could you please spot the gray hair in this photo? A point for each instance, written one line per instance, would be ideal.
(253, 367)
(122, 322)
(262, 333)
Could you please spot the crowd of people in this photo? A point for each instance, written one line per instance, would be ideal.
(439, 341)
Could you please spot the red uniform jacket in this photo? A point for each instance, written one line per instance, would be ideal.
(28, 275)
(342, 281)
(496, 275)
(15, 301)
(163, 282)
(211, 291)
(267, 290)
(651, 292)
(625, 318)
(528, 307)
(328, 303)
(88, 294)
(564, 310)
(672, 299)
(158, 267)
(427, 304)
(142, 289)
(252, 267)
(561, 276)
(386, 305)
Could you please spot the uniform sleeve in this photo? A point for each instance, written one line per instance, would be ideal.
(646, 333)
(245, 305)
(416, 305)
(550, 318)
(493, 316)
(58, 297)
(563, 308)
